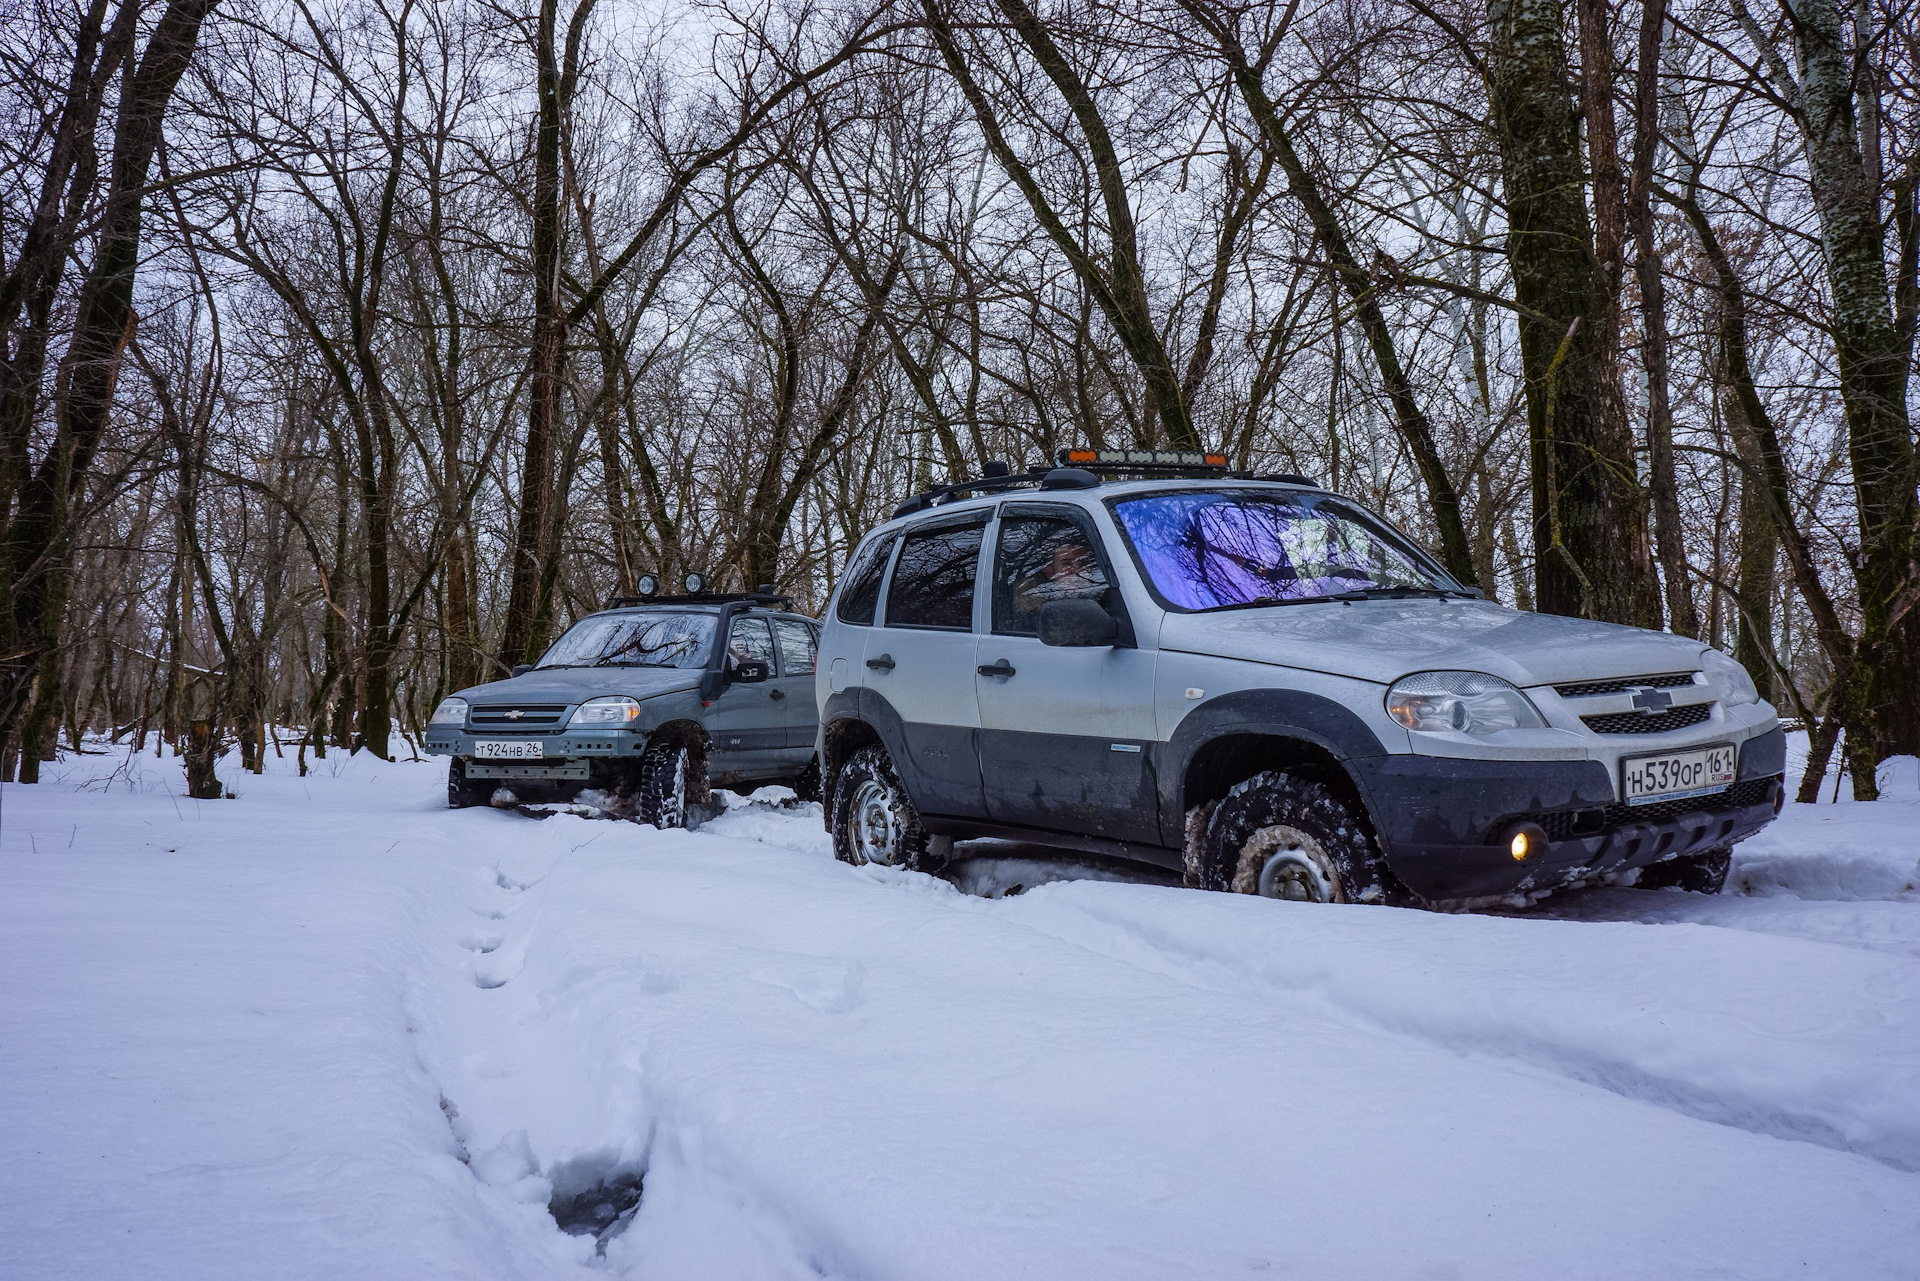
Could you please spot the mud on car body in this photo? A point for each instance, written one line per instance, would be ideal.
(1263, 685)
(647, 704)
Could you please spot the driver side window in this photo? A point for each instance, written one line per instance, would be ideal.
(750, 642)
(1040, 559)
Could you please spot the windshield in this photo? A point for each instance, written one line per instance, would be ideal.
(1215, 549)
(634, 640)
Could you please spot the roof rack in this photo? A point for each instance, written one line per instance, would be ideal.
(1083, 468)
(704, 598)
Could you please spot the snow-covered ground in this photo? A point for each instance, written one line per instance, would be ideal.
(332, 1030)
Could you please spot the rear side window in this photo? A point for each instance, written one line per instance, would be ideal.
(797, 647)
(932, 582)
(862, 594)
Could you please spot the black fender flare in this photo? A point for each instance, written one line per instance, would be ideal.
(1271, 713)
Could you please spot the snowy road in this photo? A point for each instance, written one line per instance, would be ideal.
(333, 1030)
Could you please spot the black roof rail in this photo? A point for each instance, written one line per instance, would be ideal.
(995, 475)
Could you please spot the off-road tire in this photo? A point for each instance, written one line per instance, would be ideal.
(672, 778)
(1703, 873)
(807, 786)
(465, 794)
(872, 819)
(1284, 836)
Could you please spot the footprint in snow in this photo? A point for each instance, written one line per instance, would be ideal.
(831, 988)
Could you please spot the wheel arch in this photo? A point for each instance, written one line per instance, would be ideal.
(1227, 740)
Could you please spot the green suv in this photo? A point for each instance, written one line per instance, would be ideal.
(641, 708)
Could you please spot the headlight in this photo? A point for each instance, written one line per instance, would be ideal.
(1464, 702)
(612, 710)
(1729, 679)
(452, 711)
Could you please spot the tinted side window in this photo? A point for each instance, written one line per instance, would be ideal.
(1039, 559)
(749, 642)
(933, 581)
(862, 593)
(797, 647)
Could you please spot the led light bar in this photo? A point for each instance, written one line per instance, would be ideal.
(1140, 458)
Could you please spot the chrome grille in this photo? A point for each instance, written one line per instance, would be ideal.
(1620, 685)
(1642, 723)
(517, 716)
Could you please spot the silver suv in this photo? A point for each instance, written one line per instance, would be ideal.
(647, 705)
(1265, 686)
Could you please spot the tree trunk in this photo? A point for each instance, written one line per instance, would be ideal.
(526, 623)
(1591, 553)
(1662, 486)
(1883, 695)
(38, 539)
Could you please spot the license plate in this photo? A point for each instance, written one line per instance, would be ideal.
(1673, 776)
(498, 749)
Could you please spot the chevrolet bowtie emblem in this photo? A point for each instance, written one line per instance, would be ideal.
(515, 714)
(1651, 701)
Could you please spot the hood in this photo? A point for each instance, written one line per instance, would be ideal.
(576, 684)
(1383, 640)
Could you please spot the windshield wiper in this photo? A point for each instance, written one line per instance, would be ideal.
(1390, 593)
(613, 660)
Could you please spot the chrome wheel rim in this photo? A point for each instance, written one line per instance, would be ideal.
(1286, 863)
(874, 830)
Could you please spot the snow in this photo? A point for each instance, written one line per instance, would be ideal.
(332, 1029)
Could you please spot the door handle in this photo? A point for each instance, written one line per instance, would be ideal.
(884, 663)
(999, 667)
(776, 694)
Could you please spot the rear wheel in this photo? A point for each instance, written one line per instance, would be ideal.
(1703, 873)
(464, 793)
(873, 821)
(1279, 835)
(671, 780)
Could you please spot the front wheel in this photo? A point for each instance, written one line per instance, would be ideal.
(464, 793)
(1279, 835)
(1703, 873)
(671, 779)
(873, 820)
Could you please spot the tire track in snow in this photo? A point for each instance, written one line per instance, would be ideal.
(1881, 1124)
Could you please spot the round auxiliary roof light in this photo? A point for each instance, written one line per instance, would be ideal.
(646, 585)
(695, 582)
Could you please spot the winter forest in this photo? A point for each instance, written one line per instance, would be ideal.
(354, 347)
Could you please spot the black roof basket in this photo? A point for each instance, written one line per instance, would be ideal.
(768, 598)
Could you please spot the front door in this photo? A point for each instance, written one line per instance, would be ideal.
(1065, 733)
(920, 663)
(747, 723)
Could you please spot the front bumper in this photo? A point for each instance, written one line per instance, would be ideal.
(1443, 822)
(441, 740)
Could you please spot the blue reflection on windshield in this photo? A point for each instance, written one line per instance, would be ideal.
(1206, 549)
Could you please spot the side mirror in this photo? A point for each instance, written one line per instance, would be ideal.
(749, 672)
(1077, 623)
(521, 669)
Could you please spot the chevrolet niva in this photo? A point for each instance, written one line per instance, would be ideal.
(647, 704)
(1267, 687)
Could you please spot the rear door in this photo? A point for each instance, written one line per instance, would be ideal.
(920, 662)
(1065, 733)
(798, 646)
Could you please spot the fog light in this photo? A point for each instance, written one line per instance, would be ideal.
(1525, 840)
